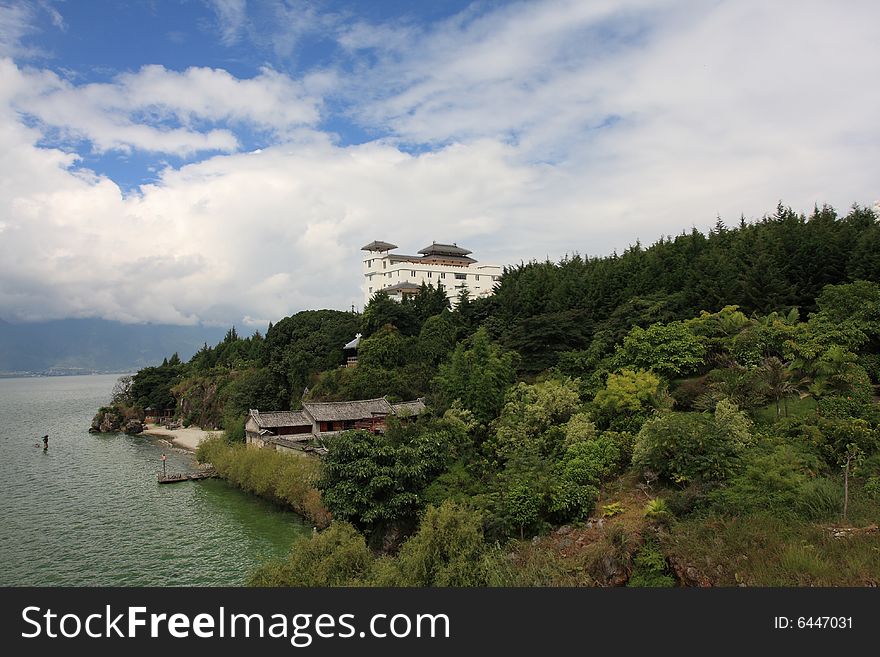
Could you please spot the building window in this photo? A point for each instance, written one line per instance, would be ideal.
(460, 277)
(442, 274)
(429, 274)
(384, 264)
(478, 277)
(412, 273)
(371, 290)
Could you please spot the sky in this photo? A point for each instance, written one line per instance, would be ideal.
(223, 161)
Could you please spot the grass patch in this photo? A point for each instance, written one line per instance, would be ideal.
(761, 550)
(796, 408)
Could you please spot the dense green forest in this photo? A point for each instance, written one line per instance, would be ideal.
(700, 411)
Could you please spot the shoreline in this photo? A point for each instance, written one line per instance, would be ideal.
(185, 438)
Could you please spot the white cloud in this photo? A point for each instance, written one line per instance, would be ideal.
(259, 234)
(553, 127)
(163, 111)
(231, 15)
(16, 22)
(654, 119)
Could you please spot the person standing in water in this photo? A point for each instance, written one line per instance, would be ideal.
(46, 443)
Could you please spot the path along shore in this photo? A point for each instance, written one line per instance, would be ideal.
(189, 438)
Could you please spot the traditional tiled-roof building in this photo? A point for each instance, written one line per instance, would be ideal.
(293, 430)
(332, 417)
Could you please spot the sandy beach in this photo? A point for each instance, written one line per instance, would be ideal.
(188, 438)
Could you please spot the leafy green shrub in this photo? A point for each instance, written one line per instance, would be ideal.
(540, 417)
(569, 501)
(234, 432)
(457, 483)
(650, 568)
(835, 436)
(844, 407)
(868, 466)
(337, 556)
(872, 488)
(591, 461)
(658, 511)
(628, 391)
(375, 480)
(668, 349)
(773, 479)
(625, 442)
(630, 423)
(578, 429)
(684, 447)
(523, 506)
(447, 550)
(611, 510)
(871, 363)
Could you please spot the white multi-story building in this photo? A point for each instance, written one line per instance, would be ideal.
(447, 264)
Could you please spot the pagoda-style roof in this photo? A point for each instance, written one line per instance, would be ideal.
(437, 249)
(379, 245)
(401, 287)
(354, 343)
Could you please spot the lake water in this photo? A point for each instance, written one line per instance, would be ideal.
(89, 512)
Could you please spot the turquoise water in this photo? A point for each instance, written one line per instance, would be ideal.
(89, 511)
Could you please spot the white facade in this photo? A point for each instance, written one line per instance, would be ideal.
(446, 264)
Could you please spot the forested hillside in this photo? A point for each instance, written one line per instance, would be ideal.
(700, 411)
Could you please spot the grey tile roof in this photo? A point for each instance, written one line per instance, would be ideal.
(405, 285)
(413, 407)
(349, 410)
(274, 419)
(292, 442)
(378, 245)
(444, 249)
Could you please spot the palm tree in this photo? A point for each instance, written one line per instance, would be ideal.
(778, 383)
(832, 369)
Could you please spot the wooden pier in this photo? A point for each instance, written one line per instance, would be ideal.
(187, 476)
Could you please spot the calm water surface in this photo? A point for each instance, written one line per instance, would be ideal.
(89, 511)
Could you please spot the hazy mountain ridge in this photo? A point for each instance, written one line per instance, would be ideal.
(70, 345)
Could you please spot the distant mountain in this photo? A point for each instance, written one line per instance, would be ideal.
(70, 345)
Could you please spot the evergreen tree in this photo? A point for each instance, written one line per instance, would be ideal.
(477, 376)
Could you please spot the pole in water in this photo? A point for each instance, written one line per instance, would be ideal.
(46, 442)
(163, 464)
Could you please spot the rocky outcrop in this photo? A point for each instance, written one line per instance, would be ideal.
(113, 419)
(106, 421)
(133, 427)
(688, 575)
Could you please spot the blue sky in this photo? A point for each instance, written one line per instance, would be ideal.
(98, 40)
(222, 161)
